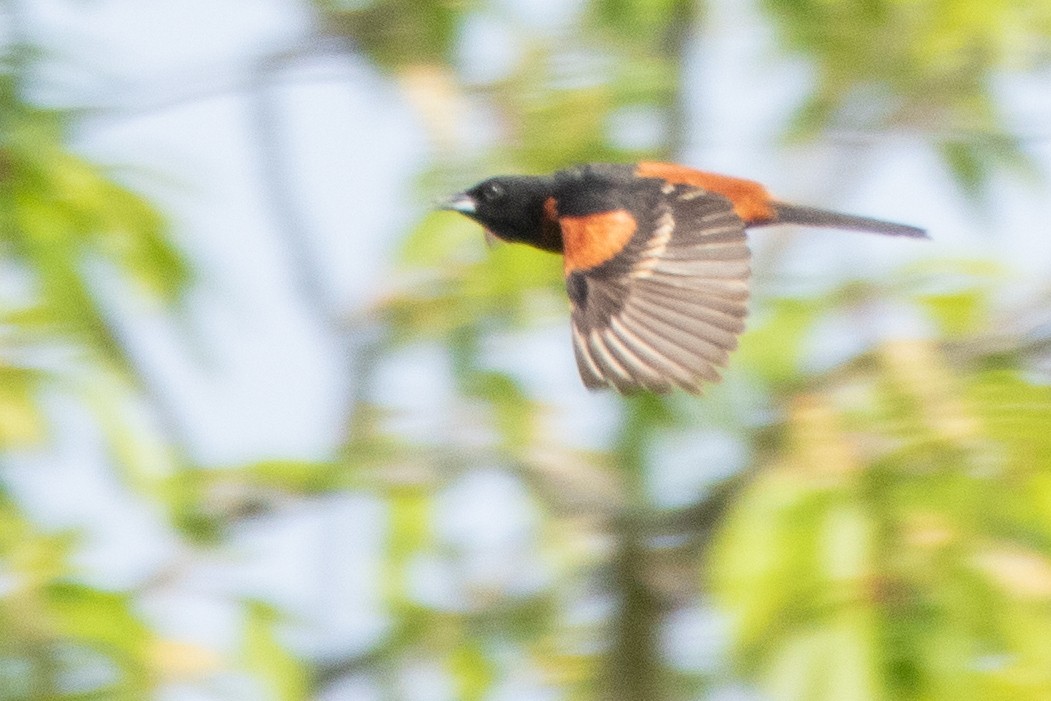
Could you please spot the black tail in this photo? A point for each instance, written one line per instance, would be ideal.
(809, 216)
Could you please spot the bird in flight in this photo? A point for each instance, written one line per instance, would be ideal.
(655, 260)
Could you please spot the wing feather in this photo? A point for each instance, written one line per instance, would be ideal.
(590, 372)
(663, 363)
(668, 308)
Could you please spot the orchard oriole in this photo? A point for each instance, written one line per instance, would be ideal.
(655, 260)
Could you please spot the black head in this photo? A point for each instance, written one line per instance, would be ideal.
(510, 207)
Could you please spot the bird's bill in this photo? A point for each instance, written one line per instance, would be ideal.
(460, 202)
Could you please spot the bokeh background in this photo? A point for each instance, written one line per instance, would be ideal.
(272, 429)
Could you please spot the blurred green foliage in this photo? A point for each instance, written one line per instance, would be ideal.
(898, 539)
(65, 225)
(888, 537)
(926, 66)
(62, 215)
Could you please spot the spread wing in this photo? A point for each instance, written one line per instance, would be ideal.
(659, 289)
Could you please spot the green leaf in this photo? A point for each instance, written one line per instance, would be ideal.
(513, 413)
(472, 671)
(396, 33)
(773, 348)
(104, 621)
(409, 534)
(22, 421)
(832, 662)
(284, 677)
(967, 166)
(958, 313)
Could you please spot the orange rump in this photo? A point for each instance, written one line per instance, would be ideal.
(751, 201)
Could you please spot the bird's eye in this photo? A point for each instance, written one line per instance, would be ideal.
(492, 191)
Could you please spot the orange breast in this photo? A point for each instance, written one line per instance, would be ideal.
(593, 239)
